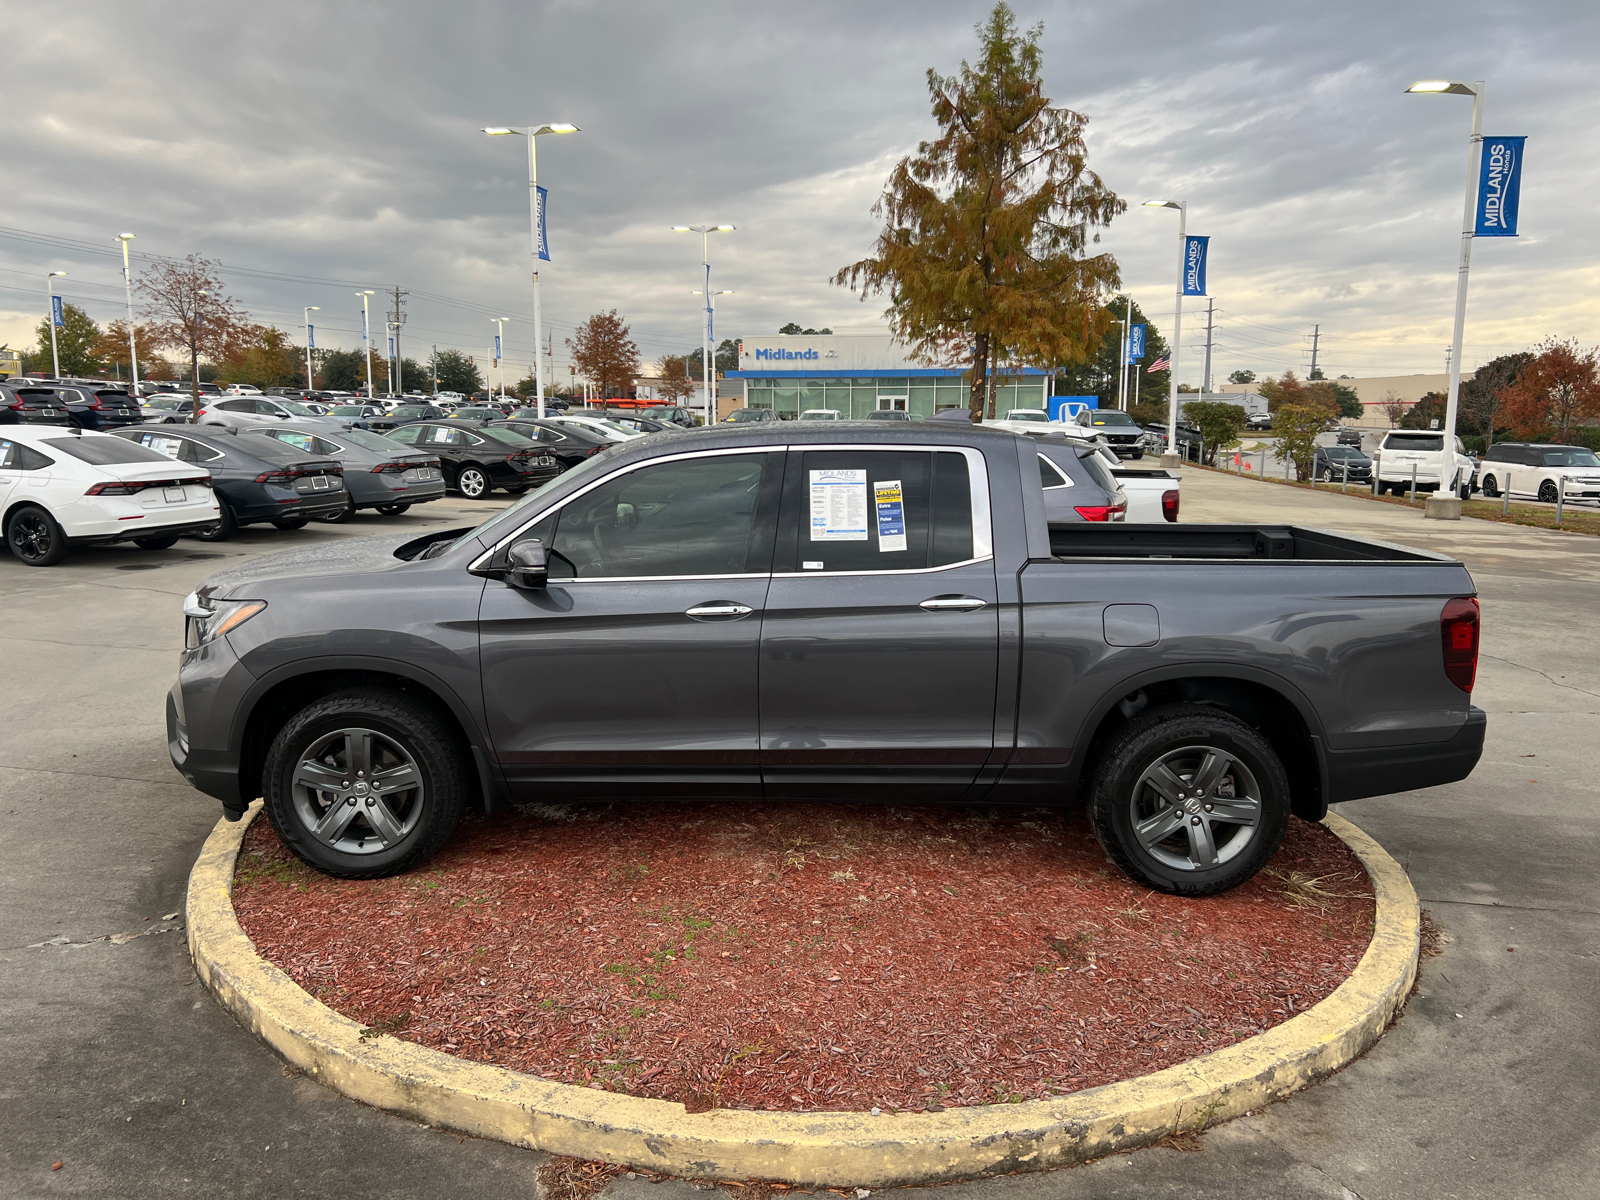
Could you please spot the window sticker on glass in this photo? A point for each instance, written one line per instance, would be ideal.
(839, 506)
(891, 515)
(169, 446)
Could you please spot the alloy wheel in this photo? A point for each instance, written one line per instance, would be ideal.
(30, 535)
(357, 791)
(471, 483)
(1195, 808)
(1548, 492)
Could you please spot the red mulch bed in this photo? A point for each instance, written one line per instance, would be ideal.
(808, 957)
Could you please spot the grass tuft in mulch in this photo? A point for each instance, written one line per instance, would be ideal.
(807, 956)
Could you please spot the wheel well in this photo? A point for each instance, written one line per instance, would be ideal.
(273, 710)
(1263, 708)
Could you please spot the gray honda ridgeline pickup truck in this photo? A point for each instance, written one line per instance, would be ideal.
(853, 612)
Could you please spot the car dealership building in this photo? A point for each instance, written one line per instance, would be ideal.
(858, 373)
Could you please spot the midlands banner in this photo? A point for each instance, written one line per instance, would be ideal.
(1499, 187)
(539, 202)
(311, 337)
(57, 317)
(1194, 265)
(1136, 342)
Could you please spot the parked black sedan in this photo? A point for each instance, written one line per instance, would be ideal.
(254, 478)
(569, 445)
(378, 472)
(32, 406)
(403, 414)
(478, 457)
(1330, 464)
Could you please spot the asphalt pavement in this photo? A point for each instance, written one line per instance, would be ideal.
(119, 1066)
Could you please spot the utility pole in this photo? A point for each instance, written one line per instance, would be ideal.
(1205, 378)
(397, 317)
(1316, 335)
(435, 370)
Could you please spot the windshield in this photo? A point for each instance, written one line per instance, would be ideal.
(1342, 452)
(1028, 414)
(406, 411)
(507, 438)
(820, 414)
(1415, 441)
(746, 414)
(104, 451)
(163, 403)
(299, 410)
(349, 410)
(1570, 458)
(370, 441)
(1110, 417)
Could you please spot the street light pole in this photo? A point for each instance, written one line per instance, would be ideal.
(366, 337)
(1122, 351)
(311, 383)
(390, 331)
(1475, 90)
(705, 232)
(532, 132)
(1170, 458)
(500, 352)
(50, 310)
(127, 283)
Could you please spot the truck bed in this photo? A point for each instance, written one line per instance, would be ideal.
(1093, 540)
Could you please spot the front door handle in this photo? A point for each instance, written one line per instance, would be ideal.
(953, 604)
(718, 610)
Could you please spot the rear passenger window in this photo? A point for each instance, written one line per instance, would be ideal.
(1050, 475)
(877, 510)
(408, 434)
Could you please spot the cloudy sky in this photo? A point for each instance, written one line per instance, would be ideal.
(316, 148)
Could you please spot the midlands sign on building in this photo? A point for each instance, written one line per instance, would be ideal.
(766, 355)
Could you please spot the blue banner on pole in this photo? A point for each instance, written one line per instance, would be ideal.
(1136, 342)
(311, 337)
(1499, 187)
(539, 195)
(57, 316)
(391, 346)
(1194, 265)
(497, 347)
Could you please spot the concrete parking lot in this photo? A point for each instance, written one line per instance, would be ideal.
(120, 1067)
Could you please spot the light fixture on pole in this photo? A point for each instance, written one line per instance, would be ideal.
(1450, 87)
(311, 383)
(1170, 457)
(705, 232)
(50, 291)
(127, 283)
(541, 250)
(366, 337)
(499, 324)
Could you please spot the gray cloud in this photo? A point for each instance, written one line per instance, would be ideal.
(339, 142)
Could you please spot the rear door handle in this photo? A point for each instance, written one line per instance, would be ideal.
(718, 610)
(953, 604)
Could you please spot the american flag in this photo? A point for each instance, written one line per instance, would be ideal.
(1161, 364)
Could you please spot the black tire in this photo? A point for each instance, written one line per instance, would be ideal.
(1138, 454)
(156, 543)
(343, 515)
(289, 523)
(35, 538)
(1181, 736)
(225, 527)
(1548, 492)
(1490, 487)
(400, 730)
(392, 510)
(472, 481)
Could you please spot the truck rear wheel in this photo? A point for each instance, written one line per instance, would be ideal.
(365, 783)
(1189, 800)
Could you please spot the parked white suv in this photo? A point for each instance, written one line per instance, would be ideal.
(1534, 470)
(1406, 454)
(251, 412)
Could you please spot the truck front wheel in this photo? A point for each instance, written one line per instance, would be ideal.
(1189, 800)
(365, 783)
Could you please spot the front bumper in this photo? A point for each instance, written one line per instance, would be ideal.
(1382, 771)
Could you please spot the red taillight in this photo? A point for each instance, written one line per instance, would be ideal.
(274, 477)
(1169, 504)
(1458, 629)
(17, 405)
(392, 468)
(1099, 512)
(116, 489)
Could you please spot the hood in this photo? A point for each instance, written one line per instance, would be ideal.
(344, 556)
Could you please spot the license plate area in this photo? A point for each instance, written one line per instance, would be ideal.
(174, 495)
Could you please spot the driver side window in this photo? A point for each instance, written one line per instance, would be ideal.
(698, 516)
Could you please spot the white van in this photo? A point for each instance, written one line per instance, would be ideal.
(1404, 454)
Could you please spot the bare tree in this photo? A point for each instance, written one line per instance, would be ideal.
(1394, 408)
(191, 312)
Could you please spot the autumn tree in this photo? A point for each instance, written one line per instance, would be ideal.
(1483, 394)
(263, 355)
(112, 351)
(1279, 392)
(984, 246)
(1342, 398)
(605, 353)
(77, 342)
(1557, 391)
(1425, 412)
(676, 386)
(191, 312)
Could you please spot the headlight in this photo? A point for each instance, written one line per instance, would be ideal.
(206, 619)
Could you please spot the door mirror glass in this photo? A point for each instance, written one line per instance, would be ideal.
(527, 565)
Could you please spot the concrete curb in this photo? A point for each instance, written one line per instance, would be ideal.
(817, 1149)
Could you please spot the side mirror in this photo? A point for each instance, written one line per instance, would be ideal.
(528, 565)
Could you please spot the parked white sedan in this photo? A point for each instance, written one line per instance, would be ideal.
(61, 488)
